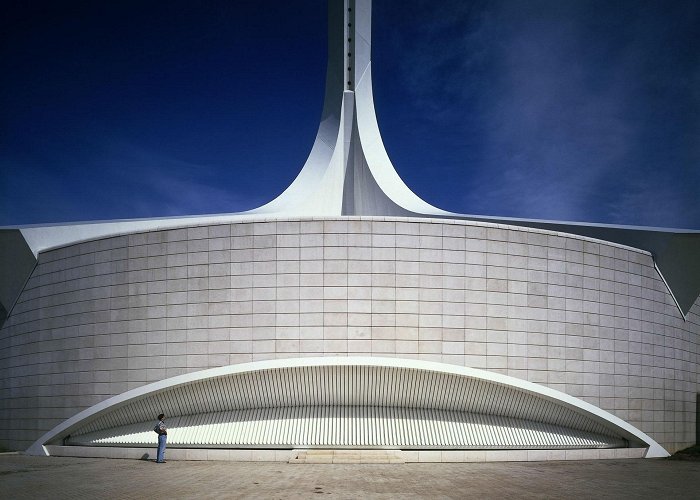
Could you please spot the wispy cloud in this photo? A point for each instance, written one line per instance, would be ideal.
(570, 110)
(113, 181)
(662, 204)
(553, 129)
(170, 186)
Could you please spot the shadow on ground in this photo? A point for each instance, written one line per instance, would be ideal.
(692, 453)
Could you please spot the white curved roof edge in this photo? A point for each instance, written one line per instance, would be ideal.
(654, 450)
(42, 237)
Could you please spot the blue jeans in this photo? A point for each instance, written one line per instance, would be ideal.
(161, 447)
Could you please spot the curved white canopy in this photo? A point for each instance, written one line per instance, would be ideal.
(444, 388)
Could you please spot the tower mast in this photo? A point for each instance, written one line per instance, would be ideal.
(348, 171)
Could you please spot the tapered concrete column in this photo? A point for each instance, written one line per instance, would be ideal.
(348, 171)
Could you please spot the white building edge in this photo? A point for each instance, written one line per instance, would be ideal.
(280, 398)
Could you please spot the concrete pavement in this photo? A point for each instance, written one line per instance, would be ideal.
(54, 477)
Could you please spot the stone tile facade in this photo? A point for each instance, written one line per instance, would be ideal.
(589, 318)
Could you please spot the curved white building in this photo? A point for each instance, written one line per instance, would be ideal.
(349, 313)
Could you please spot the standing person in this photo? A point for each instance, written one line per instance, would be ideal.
(162, 432)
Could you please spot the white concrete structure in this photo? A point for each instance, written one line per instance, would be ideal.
(352, 402)
(428, 330)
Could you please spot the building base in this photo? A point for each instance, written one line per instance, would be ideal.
(335, 456)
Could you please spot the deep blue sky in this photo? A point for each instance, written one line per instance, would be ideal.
(558, 109)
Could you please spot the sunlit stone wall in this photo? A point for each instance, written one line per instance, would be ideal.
(592, 319)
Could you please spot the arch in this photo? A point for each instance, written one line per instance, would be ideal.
(349, 402)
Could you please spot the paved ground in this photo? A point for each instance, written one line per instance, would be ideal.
(54, 477)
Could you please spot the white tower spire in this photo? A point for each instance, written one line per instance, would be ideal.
(348, 171)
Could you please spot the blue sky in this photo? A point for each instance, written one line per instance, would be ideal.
(567, 110)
